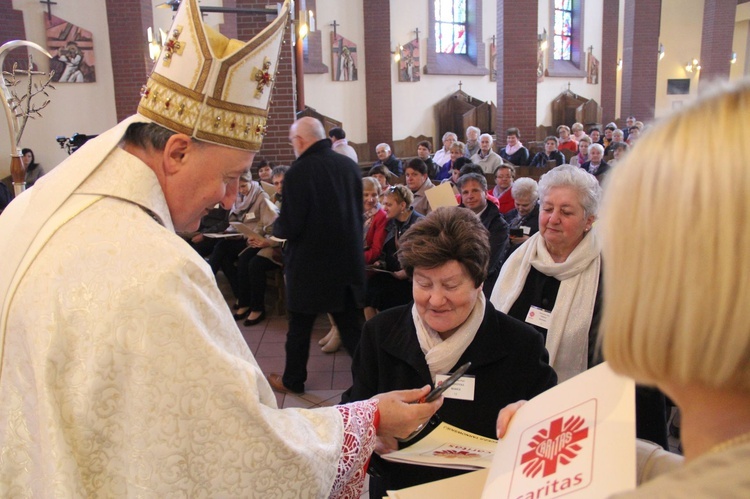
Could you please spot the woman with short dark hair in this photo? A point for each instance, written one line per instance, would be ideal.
(447, 324)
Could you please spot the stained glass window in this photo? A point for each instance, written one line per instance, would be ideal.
(450, 26)
(563, 30)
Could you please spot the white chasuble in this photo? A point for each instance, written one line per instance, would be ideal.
(124, 375)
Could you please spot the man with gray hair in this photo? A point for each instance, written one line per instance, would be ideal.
(388, 159)
(321, 220)
(472, 141)
(486, 158)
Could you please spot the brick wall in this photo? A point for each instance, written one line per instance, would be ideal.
(131, 65)
(281, 113)
(716, 41)
(640, 58)
(516, 67)
(608, 65)
(378, 72)
(13, 29)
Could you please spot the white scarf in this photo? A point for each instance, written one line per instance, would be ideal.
(441, 355)
(567, 336)
(509, 150)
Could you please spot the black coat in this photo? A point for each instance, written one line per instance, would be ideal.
(601, 172)
(509, 363)
(321, 219)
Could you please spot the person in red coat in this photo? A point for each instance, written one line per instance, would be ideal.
(504, 176)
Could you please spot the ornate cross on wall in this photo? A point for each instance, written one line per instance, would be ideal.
(334, 27)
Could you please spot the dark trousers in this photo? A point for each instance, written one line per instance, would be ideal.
(254, 283)
(224, 257)
(349, 321)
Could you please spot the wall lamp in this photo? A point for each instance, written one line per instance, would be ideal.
(661, 51)
(693, 65)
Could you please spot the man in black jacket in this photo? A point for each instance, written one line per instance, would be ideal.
(321, 220)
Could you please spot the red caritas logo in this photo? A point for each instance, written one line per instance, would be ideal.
(558, 444)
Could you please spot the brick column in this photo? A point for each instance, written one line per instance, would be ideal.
(131, 65)
(377, 14)
(281, 113)
(516, 67)
(13, 29)
(608, 65)
(640, 58)
(716, 41)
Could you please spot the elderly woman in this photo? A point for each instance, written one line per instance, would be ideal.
(557, 270)
(677, 318)
(596, 164)
(418, 181)
(473, 191)
(443, 154)
(447, 324)
(389, 285)
(583, 151)
(524, 219)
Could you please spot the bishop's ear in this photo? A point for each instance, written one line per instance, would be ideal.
(176, 151)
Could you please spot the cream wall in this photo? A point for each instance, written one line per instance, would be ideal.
(681, 28)
(87, 108)
(341, 100)
(550, 88)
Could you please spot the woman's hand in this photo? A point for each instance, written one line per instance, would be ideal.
(505, 415)
(400, 275)
(519, 240)
(254, 243)
(400, 415)
(197, 238)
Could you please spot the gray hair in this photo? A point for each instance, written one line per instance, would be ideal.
(596, 146)
(371, 183)
(525, 187)
(147, 135)
(279, 170)
(447, 135)
(585, 184)
(476, 129)
(384, 146)
(488, 136)
(476, 177)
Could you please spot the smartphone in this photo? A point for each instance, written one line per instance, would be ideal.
(438, 390)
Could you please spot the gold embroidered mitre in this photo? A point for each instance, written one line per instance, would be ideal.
(211, 87)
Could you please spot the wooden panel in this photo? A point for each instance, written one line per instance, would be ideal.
(531, 172)
(407, 148)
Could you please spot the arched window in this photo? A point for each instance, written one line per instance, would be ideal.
(450, 26)
(454, 42)
(567, 58)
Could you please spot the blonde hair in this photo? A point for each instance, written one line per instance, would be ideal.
(677, 310)
(372, 184)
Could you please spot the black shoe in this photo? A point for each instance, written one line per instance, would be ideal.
(239, 317)
(257, 320)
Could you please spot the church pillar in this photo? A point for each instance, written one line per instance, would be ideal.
(608, 66)
(640, 56)
(716, 40)
(13, 29)
(128, 23)
(516, 68)
(377, 14)
(281, 113)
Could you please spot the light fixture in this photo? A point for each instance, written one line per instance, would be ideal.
(397, 53)
(154, 43)
(661, 51)
(693, 65)
(734, 58)
(542, 39)
(619, 64)
(303, 27)
(311, 20)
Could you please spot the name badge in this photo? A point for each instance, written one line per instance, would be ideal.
(526, 230)
(539, 317)
(463, 389)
